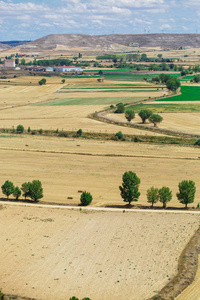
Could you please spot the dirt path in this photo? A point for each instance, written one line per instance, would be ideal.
(95, 208)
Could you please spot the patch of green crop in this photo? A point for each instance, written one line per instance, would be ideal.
(188, 93)
(166, 108)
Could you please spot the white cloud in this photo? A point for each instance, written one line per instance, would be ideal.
(165, 26)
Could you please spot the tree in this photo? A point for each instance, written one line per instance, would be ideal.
(35, 190)
(187, 191)
(23, 61)
(165, 195)
(173, 84)
(25, 189)
(119, 135)
(7, 188)
(79, 132)
(152, 195)
(145, 114)
(86, 198)
(120, 108)
(42, 81)
(129, 114)
(17, 192)
(63, 81)
(20, 128)
(197, 142)
(155, 118)
(130, 187)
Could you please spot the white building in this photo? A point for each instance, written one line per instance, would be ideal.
(68, 69)
(9, 63)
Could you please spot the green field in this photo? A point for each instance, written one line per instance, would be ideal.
(188, 93)
(90, 101)
(168, 108)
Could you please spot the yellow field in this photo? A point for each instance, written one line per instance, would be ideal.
(51, 253)
(66, 166)
(101, 255)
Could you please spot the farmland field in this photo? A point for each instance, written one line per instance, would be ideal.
(100, 255)
(188, 93)
(66, 166)
(65, 249)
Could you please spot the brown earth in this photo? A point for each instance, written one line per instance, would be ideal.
(51, 253)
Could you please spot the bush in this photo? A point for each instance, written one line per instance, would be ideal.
(63, 134)
(42, 81)
(29, 129)
(40, 131)
(1, 296)
(20, 128)
(120, 108)
(79, 132)
(119, 136)
(197, 143)
(86, 198)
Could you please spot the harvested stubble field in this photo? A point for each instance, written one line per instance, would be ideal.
(65, 251)
(185, 122)
(66, 166)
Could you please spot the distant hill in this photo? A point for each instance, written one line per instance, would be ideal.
(13, 43)
(106, 42)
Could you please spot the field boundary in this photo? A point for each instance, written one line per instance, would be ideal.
(187, 268)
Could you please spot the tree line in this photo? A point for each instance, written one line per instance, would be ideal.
(130, 191)
(32, 190)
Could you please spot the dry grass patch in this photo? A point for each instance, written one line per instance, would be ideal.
(95, 254)
(65, 166)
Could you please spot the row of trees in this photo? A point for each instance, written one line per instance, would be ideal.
(130, 191)
(144, 114)
(32, 190)
(171, 82)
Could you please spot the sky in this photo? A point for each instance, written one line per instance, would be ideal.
(30, 20)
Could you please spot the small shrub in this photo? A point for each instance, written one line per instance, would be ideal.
(1, 296)
(20, 128)
(119, 136)
(29, 129)
(86, 198)
(197, 143)
(79, 132)
(40, 131)
(120, 108)
(63, 134)
(33, 132)
(42, 81)
(111, 106)
(13, 130)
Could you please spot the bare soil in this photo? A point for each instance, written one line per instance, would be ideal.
(74, 253)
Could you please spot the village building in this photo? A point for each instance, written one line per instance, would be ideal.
(68, 69)
(9, 63)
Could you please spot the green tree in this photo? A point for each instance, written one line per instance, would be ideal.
(17, 192)
(130, 187)
(86, 198)
(42, 81)
(23, 61)
(165, 195)
(155, 118)
(152, 195)
(20, 128)
(120, 108)
(187, 191)
(145, 114)
(63, 81)
(35, 190)
(79, 132)
(129, 114)
(197, 142)
(7, 188)
(173, 84)
(119, 135)
(25, 189)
